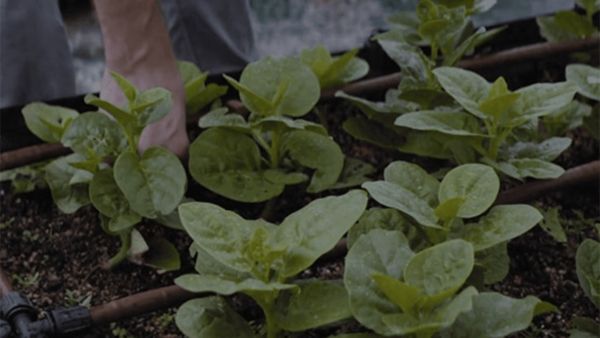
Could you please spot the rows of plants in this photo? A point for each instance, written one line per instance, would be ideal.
(424, 247)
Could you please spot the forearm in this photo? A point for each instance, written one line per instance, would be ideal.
(134, 33)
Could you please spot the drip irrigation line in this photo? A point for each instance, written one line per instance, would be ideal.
(588, 173)
(141, 303)
(170, 296)
(513, 55)
(32, 154)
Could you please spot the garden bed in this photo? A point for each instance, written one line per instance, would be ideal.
(55, 258)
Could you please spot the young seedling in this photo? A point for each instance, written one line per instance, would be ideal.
(261, 260)
(570, 25)
(397, 292)
(198, 94)
(440, 211)
(485, 125)
(587, 79)
(446, 27)
(149, 185)
(252, 160)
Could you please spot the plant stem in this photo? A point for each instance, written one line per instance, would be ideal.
(269, 209)
(274, 152)
(125, 238)
(322, 118)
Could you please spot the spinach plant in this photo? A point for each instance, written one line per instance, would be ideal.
(446, 27)
(334, 71)
(149, 185)
(484, 124)
(588, 274)
(587, 79)
(25, 179)
(261, 260)
(198, 94)
(397, 292)
(440, 211)
(570, 25)
(253, 159)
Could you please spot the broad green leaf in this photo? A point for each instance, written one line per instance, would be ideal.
(529, 167)
(211, 317)
(318, 59)
(478, 38)
(151, 105)
(317, 152)
(383, 112)
(446, 122)
(282, 177)
(162, 255)
(221, 117)
(357, 335)
(413, 178)
(494, 262)
(394, 196)
(47, 122)
(548, 150)
(267, 76)
(373, 132)
(379, 251)
(354, 173)
(450, 208)
(95, 133)
(220, 232)
(229, 163)
(476, 184)
(188, 71)
(551, 224)
(441, 269)
(551, 30)
(275, 121)
(385, 219)
(587, 78)
(576, 24)
(67, 197)
(125, 119)
(202, 98)
(153, 183)
(315, 304)
(588, 269)
(428, 144)
(354, 70)
(541, 99)
(502, 223)
(401, 294)
(569, 117)
(208, 265)
(466, 87)
(494, 315)
(409, 58)
(126, 87)
(215, 283)
(431, 322)
(590, 6)
(106, 196)
(584, 328)
(316, 228)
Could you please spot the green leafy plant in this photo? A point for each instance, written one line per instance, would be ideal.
(446, 27)
(252, 160)
(440, 211)
(587, 79)
(198, 94)
(570, 25)
(395, 291)
(149, 185)
(484, 126)
(334, 71)
(25, 179)
(261, 259)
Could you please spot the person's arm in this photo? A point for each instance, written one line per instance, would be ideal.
(137, 46)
